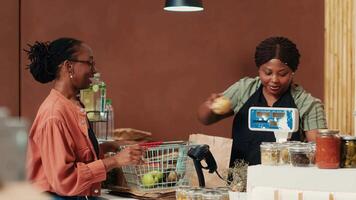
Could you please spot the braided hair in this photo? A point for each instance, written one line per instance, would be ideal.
(280, 48)
(45, 57)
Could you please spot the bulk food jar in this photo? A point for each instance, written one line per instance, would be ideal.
(269, 153)
(182, 192)
(195, 194)
(212, 195)
(300, 155)
(327, 149)
(312, 146)
(284, 151)
(348, 152)
(224, 192)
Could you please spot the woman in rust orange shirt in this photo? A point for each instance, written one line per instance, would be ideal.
(64, 157)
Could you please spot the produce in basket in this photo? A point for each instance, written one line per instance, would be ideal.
(171, 177)
(151, 178)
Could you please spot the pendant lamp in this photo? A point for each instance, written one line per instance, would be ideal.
(184, 5)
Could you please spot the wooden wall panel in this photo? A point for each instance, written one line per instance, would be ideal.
(159, 66)
(339, 64)
(9, 55)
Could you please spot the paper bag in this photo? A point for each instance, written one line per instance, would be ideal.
(220, 147)
(132, 134)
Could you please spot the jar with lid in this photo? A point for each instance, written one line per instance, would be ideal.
(327, 149)
(299, 155)
(269, 153)
(348, 152)
(212, 195)
(195, 194)
(312, 147)
(181, 192)
(224, 192)
(284, 151)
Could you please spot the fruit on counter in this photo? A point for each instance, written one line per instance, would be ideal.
(221, 105)
(151, 178)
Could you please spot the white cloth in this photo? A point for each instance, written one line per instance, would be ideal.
(269, 193)
(314, 183)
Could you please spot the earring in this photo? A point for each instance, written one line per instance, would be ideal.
(71, 76)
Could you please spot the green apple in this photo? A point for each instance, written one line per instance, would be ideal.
(157, 176)
(147, 180)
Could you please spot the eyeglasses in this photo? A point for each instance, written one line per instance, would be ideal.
(88, 62)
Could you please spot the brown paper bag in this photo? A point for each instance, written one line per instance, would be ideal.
(132, 134)
(220, 147)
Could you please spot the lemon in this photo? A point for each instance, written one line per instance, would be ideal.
(221, 105)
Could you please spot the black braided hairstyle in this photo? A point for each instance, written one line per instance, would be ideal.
(280, 48)
(45, 57)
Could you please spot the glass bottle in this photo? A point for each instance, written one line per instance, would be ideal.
(93, 99)
(110, 120)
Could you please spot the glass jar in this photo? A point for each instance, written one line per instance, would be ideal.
(299, 155)
(269, 153)
(327, 149)
(181, 192)
(224, 192)
(212, 195)
(194, 194)
(312, 147)
(284, 152)
(348, 152)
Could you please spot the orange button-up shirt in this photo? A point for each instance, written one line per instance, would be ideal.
(60, 156)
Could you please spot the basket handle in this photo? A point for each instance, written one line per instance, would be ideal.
(158, 143)
(150, 144)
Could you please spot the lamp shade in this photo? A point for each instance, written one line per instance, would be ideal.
(183, 5)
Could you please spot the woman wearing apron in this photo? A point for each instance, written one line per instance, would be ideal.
(277, 59)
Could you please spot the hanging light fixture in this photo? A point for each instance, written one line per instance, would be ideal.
(184, 5)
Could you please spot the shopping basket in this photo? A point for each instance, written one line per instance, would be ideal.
(164, 167)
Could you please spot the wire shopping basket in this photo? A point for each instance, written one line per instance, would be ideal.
(164, 167)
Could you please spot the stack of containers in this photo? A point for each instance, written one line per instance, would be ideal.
(330, 151)
(293, 153)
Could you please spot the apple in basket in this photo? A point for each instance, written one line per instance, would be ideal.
(157, 176)
(151, 178)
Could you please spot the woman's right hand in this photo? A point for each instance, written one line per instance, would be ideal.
(209, 112)
(209, 102)
(131, 155)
